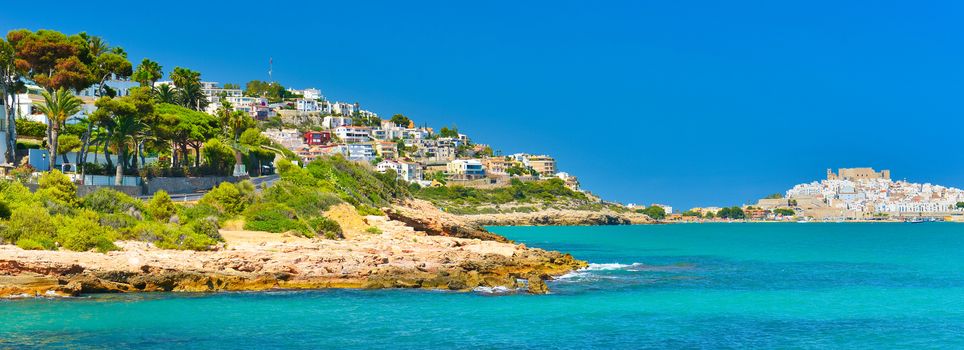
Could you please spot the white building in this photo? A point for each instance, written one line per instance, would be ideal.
(410, 172)
(289, 138)
(120, 87)
(24, 106)
(308, 94)
(306, 105)
(360, 152)
(332, 122)
(342, 108)
(666, 208)
(353, 134)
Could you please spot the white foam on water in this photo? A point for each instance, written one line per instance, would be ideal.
(493, 290)
(610, 267)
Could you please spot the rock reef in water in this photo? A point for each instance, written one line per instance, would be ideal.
(411, 252)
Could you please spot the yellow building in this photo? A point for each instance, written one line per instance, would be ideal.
(857, 174)
(544, 165)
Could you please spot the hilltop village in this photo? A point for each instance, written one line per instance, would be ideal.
(850, 194)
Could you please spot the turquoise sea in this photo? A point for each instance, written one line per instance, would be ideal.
(869, 286)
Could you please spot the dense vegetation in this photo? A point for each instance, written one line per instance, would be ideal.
(55, 217)
(521, 195)
(296, 202)
(165, 121)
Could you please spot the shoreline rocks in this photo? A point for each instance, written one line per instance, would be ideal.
(399, 257)
(559, 217)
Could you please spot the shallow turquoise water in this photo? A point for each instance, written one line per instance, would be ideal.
(672, 286)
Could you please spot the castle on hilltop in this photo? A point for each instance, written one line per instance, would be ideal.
(857, 174)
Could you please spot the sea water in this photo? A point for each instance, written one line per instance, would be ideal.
(789, 285)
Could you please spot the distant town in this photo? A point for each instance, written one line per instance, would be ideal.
(850, 194)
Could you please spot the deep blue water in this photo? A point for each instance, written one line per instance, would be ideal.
(672, 286)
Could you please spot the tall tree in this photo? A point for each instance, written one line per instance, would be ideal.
(165, 93)
(58, 107)
(400, 120)
(51, 59)
(10, 84)
(188, 85)
(109, 65)
(272, 91)
(185, 128)
(147, 73)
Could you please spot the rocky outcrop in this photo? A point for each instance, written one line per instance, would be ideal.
(399, 257)
(423, 216)
(557, 217)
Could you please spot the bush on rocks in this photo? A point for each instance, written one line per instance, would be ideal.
(230, 199)
(326, 227)
(56, 186)
(31, 228)
(160, 207)
(169, 236)
(83, 232)
(17, 195)
(207, 226)
(305, 200)
(108, 201)
(273, 217)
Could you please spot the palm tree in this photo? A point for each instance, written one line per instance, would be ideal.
(147, 73)
(96, 46)
(57, 107)
(165, 94)
(192, 96)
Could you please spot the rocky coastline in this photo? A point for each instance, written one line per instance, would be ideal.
(410, 252)
(558, 217)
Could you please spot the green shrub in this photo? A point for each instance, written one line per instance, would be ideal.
(207, 226)
(83, 232)
(305, 200)
(31, 223)
(4, 210)
(29, 128)
(171, 236)
(16, 195)
(365, 210)
(108, 201)
(326, 227)
(198, 211)
(230, 199)
(56, 186)
(117, 221)
(273, 217)
(160, 207)
(218, 156)
(39, 243)
(374, 230)
(352, 182)
(182, 238)
(147, 231)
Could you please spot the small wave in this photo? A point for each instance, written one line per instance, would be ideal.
(610, 267)
(571, 275)
(494, 290)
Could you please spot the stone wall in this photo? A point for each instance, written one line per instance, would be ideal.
(186, 184)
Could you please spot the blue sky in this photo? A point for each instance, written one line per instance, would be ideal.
(685, 103)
